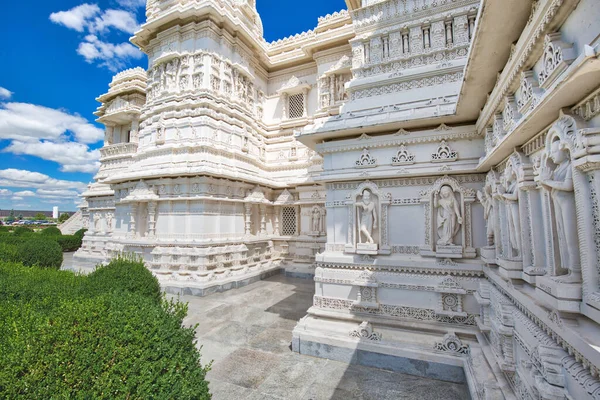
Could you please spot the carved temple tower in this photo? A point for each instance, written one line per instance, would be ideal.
(433, 164)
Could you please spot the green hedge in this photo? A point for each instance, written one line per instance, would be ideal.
(63, 335)
(9, 252)
(68, 242)
(51, 231)
(22, 230)
(80, 232)
(34, 250)
(43, 253)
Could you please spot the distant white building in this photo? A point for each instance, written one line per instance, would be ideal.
(55, 212)
(433, 163)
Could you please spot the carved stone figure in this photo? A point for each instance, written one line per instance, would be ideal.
(560, 182)
(509, 192)
(97, 222)
(367, 218)
(486, 200)
(171, 73)
(316, 219)
(449, 218)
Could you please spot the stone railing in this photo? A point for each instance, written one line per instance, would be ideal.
(121, 149)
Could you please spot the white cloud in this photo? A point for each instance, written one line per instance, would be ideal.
(5, 94)
(25, 122)
(91, 19)
(17, 198)
(112, 56)
(5, 192)
(121, 20)
(132, 4)
(19, 178)
(77, 18)
(25, 193)
(72, 156)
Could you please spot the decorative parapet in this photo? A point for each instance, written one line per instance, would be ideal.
(118, 150)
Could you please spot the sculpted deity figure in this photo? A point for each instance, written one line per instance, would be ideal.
(97, 222)
(170, 73)
(449, 218)
(316, 219)
(367, 217)
(509, 192)
(560, 182)
(486, 200)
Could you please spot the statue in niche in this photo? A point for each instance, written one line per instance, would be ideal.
(449, 218)
(367, 218)
(109, 221)
(171, 72)
(486, 200)
(341, 90)
(509, 192)
(97, 222)
(559, 181)
(316, 219)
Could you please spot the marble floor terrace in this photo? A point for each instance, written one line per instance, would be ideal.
(248, 332)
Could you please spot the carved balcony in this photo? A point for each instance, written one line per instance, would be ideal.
(118, 151)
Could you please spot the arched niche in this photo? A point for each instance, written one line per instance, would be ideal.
(461, 244)
(357, 208)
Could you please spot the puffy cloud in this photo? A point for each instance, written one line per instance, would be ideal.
(77, 18)
(19, 178)
(121, 20)
(72, 156)
(5, 94)
(132, 4)
(112, 56)
(91, 19)
(25, 193)
(17, 198)
(25, 122)
(5, 192)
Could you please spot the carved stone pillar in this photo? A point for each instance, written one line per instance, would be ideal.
(109, 135)
(152, 206)
(298, 220)
(405, 43)
(284, 106)
(132, 220)
(449, 41)
(305, 95)
(263, 220)
(248, 219)
(276, 227)
(135, 127)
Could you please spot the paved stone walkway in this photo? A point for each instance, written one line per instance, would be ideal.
(248, 331)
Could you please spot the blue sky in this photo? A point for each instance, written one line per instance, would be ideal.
(57, 57)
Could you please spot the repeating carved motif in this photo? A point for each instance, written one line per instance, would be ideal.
(444, 153)
(453, 345)
(403, 157)
(365, 331)
(366, 160)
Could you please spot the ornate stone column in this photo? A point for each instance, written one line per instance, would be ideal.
(298, 219)
(248, 219)
(135, 127)
(276, 227)
(305, 95)
(284, 106)
(263, 219)
(132, 220)
(152, 206)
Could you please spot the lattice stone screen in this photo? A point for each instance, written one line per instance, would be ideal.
(296, 106)
(288, 221)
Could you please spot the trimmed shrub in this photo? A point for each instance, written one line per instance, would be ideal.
(80, 232)
(22, 230)
(39, 252)
(125, 275)
(58, 340)
(68, 242)
(51, 231)
(9, 253)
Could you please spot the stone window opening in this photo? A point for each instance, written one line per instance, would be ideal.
(288, 221)
(296, 106)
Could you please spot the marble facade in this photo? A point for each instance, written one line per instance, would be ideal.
(434, 164)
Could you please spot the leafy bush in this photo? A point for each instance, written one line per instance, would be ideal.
(125, 275)
(59, 339)
(39, 252)
(51, 231)
(9, 252)
(22, 230)
(68, 242)
(80, 232)
(63, 217)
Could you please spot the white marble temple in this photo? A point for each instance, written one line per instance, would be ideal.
(448, 212)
